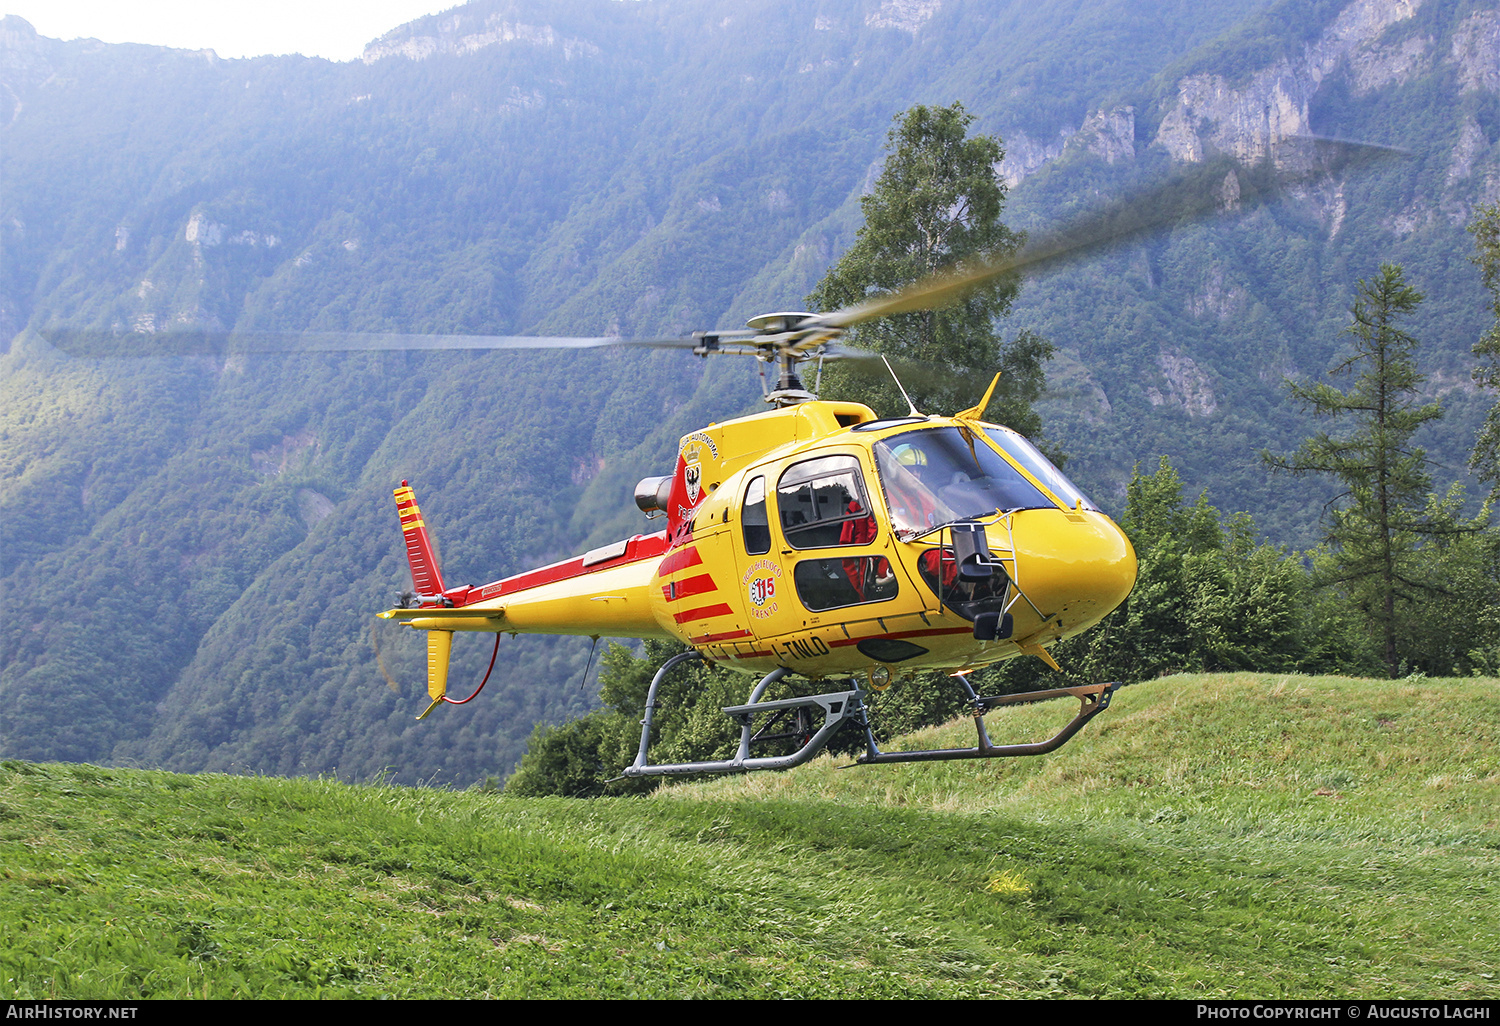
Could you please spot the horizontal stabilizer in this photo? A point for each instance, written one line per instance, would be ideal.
(471, 615)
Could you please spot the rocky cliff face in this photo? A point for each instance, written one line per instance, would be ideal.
(1212, 114)
(1109, 134)
(906, 15)
(1476, 51)
(465, 31)
(25, 62)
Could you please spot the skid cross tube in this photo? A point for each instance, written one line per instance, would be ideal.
(661, 674)
(837, 707)
(1093, 699)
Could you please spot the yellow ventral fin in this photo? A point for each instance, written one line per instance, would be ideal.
(975, 412)
(1041, 653)
(439, 646)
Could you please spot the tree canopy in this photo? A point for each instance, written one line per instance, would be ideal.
(937, 203)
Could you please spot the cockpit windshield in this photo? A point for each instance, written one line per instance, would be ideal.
(938, 475)
(1040, 467)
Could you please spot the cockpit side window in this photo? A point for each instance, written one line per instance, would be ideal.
(754, 522)
(822, 503)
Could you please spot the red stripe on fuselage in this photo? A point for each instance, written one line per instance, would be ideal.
(680, 559)
(709, 639)
(703, 584)
(896, 636)
(702, 613)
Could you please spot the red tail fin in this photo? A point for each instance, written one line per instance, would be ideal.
(426, 580)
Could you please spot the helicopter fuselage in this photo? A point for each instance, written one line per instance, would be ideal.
(820, 539)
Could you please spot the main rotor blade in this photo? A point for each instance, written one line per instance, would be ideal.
(192, 342)
(1202, 191)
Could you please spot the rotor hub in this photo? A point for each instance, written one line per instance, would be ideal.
(779, 323)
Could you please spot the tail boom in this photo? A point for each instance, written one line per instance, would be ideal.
(605, 592)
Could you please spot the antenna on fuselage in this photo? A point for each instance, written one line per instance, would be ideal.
(910, 406)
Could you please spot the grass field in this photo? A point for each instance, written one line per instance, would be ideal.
(1208, 836)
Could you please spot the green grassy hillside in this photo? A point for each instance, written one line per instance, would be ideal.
(1207, 836)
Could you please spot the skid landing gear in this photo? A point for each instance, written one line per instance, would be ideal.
(1093, 699)
(798, 719)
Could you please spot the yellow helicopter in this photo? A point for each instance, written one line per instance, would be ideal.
(820, 539)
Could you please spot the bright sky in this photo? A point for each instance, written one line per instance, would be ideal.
(335, 29)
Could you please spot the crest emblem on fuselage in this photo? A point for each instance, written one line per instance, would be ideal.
(697, 450)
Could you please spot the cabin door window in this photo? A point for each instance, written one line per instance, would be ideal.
(822, 504)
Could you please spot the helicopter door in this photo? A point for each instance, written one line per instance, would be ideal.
(823, 505)
(831, 544)
(814, 559)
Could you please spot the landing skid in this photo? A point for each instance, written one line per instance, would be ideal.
(1093, 699)
(797, 719)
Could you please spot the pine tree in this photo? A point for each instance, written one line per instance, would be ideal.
(1376, 523)
(937, 202)
(1485, 460)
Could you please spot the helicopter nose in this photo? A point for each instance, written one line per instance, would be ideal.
(1075, 566)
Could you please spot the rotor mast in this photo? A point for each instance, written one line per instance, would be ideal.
(785, 339)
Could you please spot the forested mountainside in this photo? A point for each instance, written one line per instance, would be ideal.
(193, 547)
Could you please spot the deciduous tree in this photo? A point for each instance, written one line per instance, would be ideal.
(936, 203)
